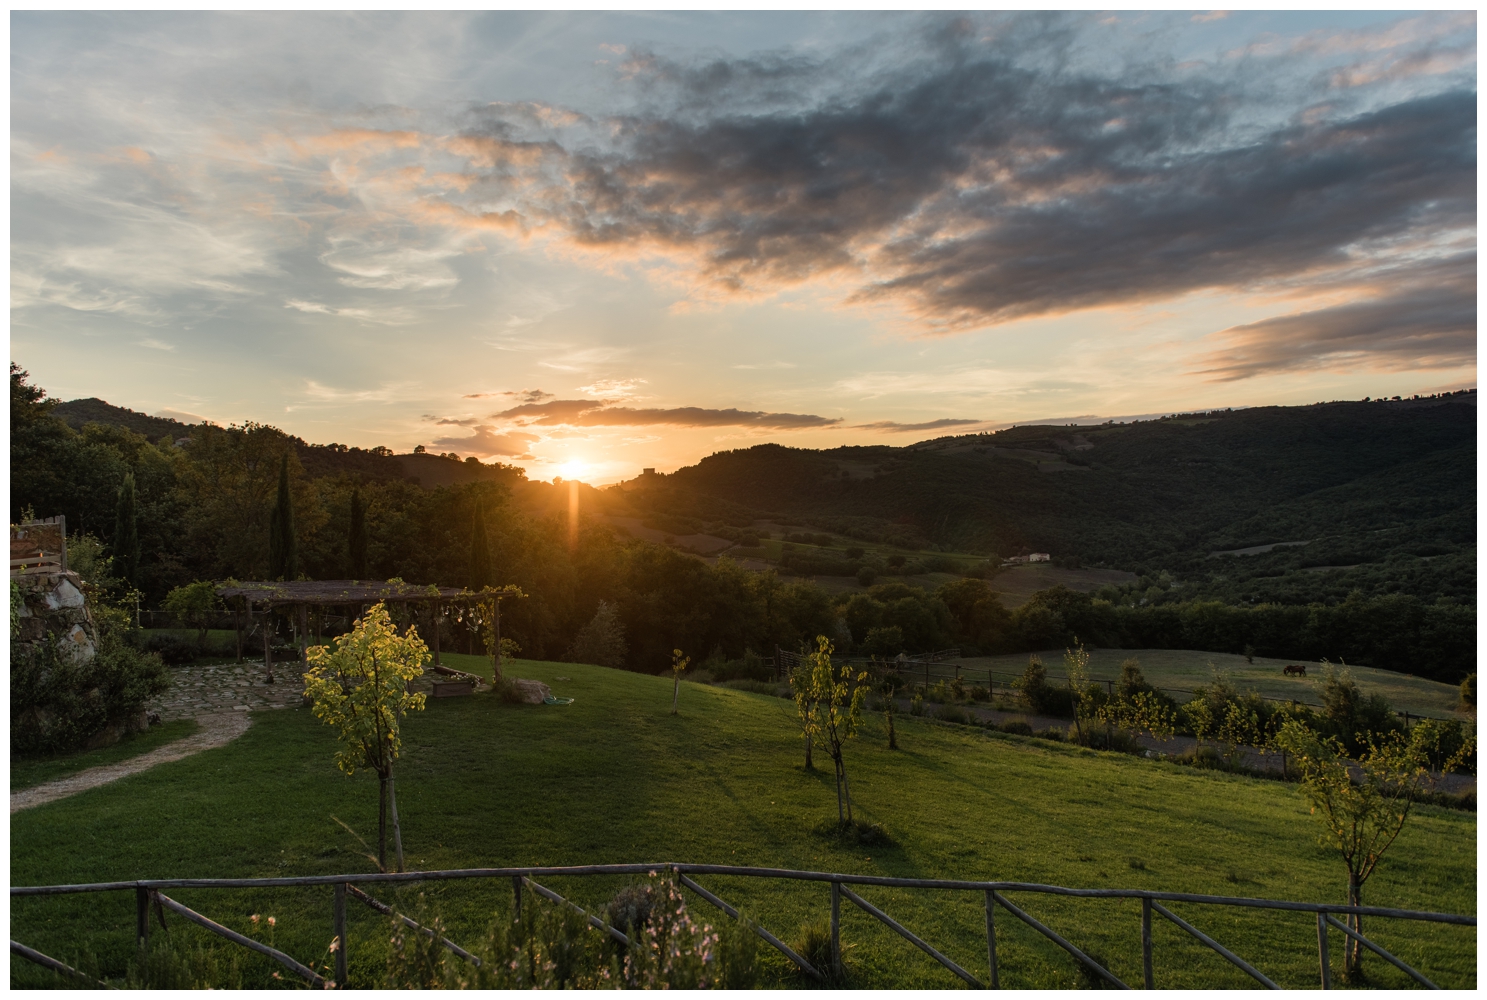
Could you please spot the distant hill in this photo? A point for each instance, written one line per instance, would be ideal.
(1382, 492)
(77, 412)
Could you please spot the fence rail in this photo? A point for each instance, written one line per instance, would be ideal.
(148, 893)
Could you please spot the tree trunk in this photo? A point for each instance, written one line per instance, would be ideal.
(808, 765)
(397, 830)
(1352, 950)
(382, 821)
(847, 790)
(676, 690)
(840, 812)
(892, 736)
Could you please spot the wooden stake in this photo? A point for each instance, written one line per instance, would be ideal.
(340, 930)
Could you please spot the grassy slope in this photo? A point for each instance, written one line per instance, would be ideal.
(1178, 671)
(28, 772)
(613, 777)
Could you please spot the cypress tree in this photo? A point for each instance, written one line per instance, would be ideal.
(283, 552)
(480, 551)
(357, 543)
(126, 534)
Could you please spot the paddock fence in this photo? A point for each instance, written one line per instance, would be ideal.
(150, 895)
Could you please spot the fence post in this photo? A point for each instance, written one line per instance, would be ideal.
(836, 928)
(1322, 950)
(1146, 944)
(142, 917)
(340, 927)
(516, 890)
(996, 982)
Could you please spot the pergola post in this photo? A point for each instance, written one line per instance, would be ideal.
(268, 641)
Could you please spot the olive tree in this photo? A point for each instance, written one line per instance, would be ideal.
(361, 689)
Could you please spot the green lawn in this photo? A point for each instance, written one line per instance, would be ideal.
(1178, 671)
(28, 772)
(615, 778)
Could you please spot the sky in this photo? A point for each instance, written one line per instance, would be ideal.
(591, 243)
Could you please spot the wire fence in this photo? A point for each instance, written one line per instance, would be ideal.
(150, 894)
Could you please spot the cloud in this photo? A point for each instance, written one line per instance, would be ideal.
(980, 184)
(612, 388)
(1409, 324)
(185, 417)
(155, 345)
(1213, 15)
(893, 427)
(525, 395)
(486, 442)
(765, 366)
(596, 413)
(466, 422)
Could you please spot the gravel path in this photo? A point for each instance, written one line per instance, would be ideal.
(217, 697)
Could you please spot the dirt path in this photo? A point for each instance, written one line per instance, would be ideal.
(218, 697)
(216, 730)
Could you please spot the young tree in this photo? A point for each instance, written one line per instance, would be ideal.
(838, 696)
(1361, 805)
(678, 664)
(195, 603)
(126, 534)
(356, 541)
(283, 546)
(361, 689)
(490, 621)
(1076, 662)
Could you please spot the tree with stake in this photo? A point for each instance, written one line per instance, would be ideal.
(678, 664)
(1076, 661)
(361, 689)
(838, 695)
(490, 620)
(1361, 813)
(356, 541)
(126, 534)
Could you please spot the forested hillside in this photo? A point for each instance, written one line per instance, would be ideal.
(1383, 493)
(1384, 490)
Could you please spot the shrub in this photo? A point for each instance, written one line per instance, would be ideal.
(751, 667)
(813, 943)
(979, 694)
(916, 704)
(1468, 699)
(1056, 735)
(1016, 727)
(854, 552)
(753, 686)
(631, 908)
(173, 650)
(952, 713)
(1042, 697)
(866, 575)
(58, 703)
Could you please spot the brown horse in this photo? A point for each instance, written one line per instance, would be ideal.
(1297, 669)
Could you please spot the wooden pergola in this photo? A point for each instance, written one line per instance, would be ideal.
(298, 596)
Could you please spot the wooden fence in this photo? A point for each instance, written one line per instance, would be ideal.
(150, 894)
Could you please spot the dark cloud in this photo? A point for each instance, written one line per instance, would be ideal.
(997, 179)
(894, 427)
(1418, 325)
(486, 441)
(597, 413)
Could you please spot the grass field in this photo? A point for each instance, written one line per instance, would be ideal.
(615, 778)
(28, 772)
(1178, 671)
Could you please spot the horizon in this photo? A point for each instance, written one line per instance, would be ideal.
(601, 242)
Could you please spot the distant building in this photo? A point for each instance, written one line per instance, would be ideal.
(647, 472)
(1030, 558)
(1038, 557)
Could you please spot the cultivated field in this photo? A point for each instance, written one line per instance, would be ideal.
(615, 778)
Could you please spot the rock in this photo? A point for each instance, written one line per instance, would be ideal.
(532, 692)
(65, 596)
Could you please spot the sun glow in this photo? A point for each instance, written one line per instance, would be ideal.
(574, 468)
